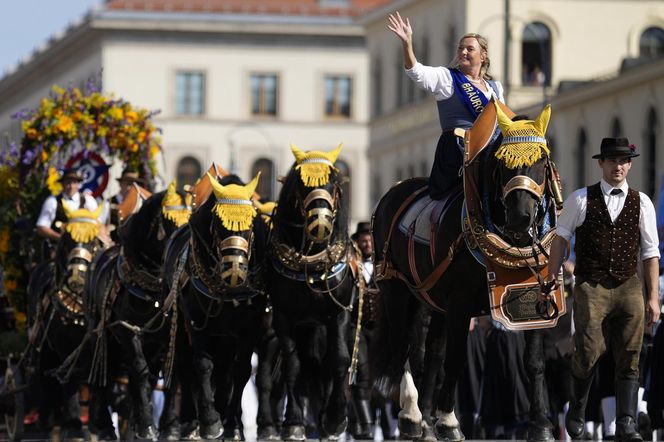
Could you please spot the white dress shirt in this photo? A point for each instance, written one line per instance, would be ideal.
(50, 206)
(438, 81)
(574, 213)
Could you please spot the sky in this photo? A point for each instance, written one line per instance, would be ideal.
(28, 24)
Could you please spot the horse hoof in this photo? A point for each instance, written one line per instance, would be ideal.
(107, 434)
(409, 429)
(170, 433)
(334, 432)
(190, 432)
(539, 434)
(268, 432)
(148, 433)
(212, 431)
(234, 435)
(73, 434)
(449, 434)
(293, 432)
(428, 435)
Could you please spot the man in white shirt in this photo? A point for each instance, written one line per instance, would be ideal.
(52, 216)
(615, 226)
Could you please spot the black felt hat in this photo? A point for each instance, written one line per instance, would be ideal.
(616, 147)
(71, 174)
(362, 227)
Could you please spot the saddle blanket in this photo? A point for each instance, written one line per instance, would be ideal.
(423, 212)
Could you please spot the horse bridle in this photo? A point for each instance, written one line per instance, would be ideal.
(325, 217)
(546, 309)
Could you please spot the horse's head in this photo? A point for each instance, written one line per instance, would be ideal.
(77, 247)
(523, 161)
(175, 209)
(313, 189)
(231, 219)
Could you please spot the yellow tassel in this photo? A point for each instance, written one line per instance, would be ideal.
(83, 232)
(314, 174)
(235, 217)
(178, 217)
(519, 155)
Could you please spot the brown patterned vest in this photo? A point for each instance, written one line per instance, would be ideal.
(604, 248)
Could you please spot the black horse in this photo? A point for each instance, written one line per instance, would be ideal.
(130, 326)
(311, 287)
(217, 275)
(57, 322)
(516, 198)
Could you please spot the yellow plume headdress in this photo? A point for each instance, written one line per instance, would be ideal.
(234, 206)
(174, 207)
(83, 225)
(315, 166)
(523, 141)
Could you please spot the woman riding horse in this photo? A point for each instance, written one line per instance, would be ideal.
(57, 319)
(217, 265)
(515, 200)
(132, 328)
(311, 288)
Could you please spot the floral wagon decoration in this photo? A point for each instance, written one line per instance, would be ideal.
(68, 122)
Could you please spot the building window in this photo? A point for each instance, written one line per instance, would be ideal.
(188, 171)
(338, 90)
(377, 87)
(264, 94)
(344, 174)
(652, 126)
(265, 186)
(536, 55)
(581, 150)
(616, 128)
(651, 43)
(189, 93)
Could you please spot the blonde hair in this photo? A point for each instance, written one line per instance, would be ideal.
(484, 48)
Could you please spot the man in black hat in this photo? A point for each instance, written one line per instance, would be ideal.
(615, 227)
(52, 216)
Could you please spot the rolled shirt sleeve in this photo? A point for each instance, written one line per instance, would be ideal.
(47, 214)
(573, 214)
(648, 229)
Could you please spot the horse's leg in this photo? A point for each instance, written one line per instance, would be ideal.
(241, 375)
(433, 368)
(267, 356)
(71, 429)
(447, 426)
(209, 419)
(293, 428)
(101, 423)
(410, 416)
(169, 422)
(335, 421)
(139, 382)
(540, 427)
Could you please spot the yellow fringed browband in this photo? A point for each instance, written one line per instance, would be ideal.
(233, 204)
(174, 208)
(82, 229)
(315, 166)
(523, 141)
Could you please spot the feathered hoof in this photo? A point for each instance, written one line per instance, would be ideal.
(409, 429)
(293, 432)
(147, 433)
(428, 435)
(449, 434)
(267, 432)
(334, 431)
(170, 433)
(211, 431)
(107, 434)
(235, 434)
(539, 434)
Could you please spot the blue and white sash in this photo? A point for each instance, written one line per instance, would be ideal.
(472, 97)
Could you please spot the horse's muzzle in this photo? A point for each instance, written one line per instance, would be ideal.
(234, 267)
(320, 220)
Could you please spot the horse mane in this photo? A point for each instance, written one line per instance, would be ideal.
(286, 207)
(138, 235)
(490, 189)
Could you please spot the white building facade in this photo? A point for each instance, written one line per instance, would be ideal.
(232, 88)
(550, 41)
